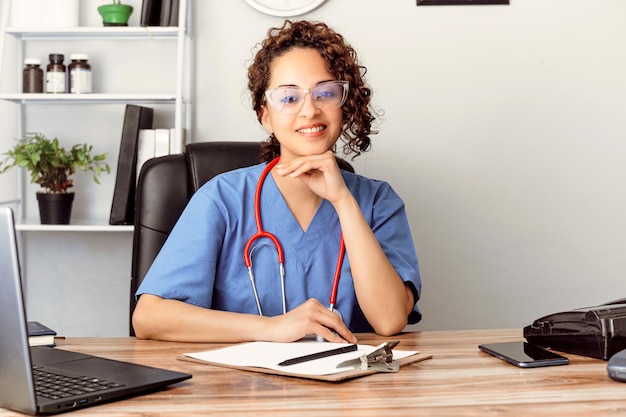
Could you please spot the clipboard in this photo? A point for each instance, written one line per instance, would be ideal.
(262, 357)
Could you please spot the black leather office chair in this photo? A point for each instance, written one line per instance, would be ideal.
(165, 186)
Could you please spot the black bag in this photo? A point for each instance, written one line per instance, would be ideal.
(597, 332)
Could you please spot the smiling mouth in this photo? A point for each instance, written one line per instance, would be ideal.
(311, 129)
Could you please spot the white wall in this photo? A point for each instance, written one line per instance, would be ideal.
(503, 131)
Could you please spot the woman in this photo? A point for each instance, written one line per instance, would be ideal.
(308, 92)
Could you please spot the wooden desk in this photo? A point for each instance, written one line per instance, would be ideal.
(458, 381)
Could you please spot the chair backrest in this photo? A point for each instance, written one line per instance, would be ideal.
(165, 186)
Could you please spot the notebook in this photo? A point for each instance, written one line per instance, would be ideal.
(20, 365)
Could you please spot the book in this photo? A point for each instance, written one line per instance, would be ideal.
(150, 13)
(176, 145)
(174, 13)
(265, 357)
(162, 142)
(123, 204)
(166, 12)
(145, 147)
(40, 335)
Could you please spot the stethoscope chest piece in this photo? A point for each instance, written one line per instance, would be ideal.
(337, 312)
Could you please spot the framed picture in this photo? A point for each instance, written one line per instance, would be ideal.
(459, 2)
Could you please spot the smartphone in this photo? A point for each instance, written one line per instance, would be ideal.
(523, 354)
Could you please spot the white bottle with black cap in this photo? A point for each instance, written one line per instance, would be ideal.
(56, 76)
(80, 74)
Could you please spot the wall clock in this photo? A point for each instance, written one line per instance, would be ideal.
(284, 8)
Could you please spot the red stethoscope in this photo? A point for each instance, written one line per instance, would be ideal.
(247, 255)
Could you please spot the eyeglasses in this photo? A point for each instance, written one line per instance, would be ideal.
(290, 100)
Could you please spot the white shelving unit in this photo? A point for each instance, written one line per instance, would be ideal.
(177, 98)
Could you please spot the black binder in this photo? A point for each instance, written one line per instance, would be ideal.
(150, 13)
(166, 12)
(174, 13)
(123, 205)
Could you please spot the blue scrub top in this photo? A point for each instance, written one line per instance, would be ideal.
(202, 261)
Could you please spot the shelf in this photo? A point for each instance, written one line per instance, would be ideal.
(111, 32)
(33, 225)
(153, 37)
(30, 98)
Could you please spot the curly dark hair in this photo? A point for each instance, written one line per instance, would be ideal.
(341, 61)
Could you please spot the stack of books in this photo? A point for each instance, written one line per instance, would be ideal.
(153, 143)
(140, 142)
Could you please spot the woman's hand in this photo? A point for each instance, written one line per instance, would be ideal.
(384, 298)
(309, 318)
(320, 173)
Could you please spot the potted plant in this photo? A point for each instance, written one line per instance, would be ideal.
(51, 166)
(115, 14)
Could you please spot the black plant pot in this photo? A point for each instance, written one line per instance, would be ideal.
(55, 208)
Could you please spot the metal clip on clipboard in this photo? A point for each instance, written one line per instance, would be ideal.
(379, 359)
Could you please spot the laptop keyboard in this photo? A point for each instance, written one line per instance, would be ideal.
(55, 386)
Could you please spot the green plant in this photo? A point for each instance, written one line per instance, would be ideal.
(50, 165)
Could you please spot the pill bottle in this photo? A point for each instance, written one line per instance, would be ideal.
(56, 75)
(80, 74)
(32, 78)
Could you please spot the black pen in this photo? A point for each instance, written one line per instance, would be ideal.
(319, 355)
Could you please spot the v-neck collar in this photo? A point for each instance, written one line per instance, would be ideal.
(274, 207)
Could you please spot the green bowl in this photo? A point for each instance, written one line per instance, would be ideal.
(115, 14)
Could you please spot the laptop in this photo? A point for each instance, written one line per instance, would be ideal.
(93, 380)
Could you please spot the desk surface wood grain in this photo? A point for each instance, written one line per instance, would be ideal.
(458, 381)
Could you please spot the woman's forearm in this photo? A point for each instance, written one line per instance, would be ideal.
(385, 300)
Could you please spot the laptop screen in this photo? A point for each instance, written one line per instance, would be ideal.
(16, 385)
(17, 388)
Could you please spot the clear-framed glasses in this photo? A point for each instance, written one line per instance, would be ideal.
(290, 100)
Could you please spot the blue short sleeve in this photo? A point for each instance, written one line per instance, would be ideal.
(185, 267)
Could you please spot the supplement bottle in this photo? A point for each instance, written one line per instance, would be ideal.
(32, 81)
(80, 74)
(55, 74)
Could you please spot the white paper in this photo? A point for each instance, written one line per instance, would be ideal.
(270, 354)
